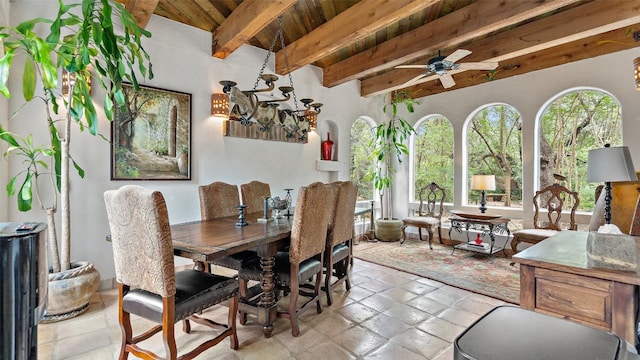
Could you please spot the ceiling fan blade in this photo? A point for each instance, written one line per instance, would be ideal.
(414, 80)
(410, 67)
(447, 81)
(478, 65)
(457, 55)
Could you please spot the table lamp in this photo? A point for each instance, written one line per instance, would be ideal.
(483, 183)
(610, 164)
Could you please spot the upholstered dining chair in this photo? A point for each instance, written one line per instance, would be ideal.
(253, 194)
(218, 200)
(294, 269)
(338, 250)
(149, 286)
(550, 204)
(429, 214)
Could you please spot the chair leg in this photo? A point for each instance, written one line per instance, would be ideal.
(404, 235)
(125, 324)
(327, 278)
(440, 235)
(168, 333)
(231, 322)
(420, 233)
(293, 316)
(430, 231)
(242, 284)
(316, 291)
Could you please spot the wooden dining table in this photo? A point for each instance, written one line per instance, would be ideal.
(204, 241)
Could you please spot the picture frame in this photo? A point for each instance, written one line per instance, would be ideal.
(151, 135)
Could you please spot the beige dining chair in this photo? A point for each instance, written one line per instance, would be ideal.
(253, 194)
(295, 269)
(149, 286)
(218, 200)
(338, 250)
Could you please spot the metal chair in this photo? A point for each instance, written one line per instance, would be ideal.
(148, 285)
(429, 212)
(552, 200)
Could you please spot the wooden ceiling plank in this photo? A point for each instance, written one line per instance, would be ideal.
(349, 26)
(589, 19)
(140, 9)
(196, 15)
(245, 22)
(217, 17)
(472, 21)
(602, 44)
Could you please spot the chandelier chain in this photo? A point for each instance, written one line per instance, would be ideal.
(286, 62)
(266, 60)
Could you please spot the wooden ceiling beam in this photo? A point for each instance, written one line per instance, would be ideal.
(472, 21)
(596, 17)
(244, 23)
(140, 9)
(602, 44)
(348, 27)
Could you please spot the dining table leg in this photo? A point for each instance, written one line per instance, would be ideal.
(267, 311)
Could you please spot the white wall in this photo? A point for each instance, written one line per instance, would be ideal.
(182, 61)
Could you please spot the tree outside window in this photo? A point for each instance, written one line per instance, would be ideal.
(494, 147)
(433, 155)
(361, 164)
(570, 126)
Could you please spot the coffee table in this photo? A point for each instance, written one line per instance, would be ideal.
(486, 224)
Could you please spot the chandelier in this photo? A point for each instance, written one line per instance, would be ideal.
(260, 107)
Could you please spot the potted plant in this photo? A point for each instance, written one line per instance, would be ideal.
(388, 143)
(83, 42)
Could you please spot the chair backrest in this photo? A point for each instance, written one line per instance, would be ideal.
(217, 200)
(141, 237)
(554, 199)
(432, 199)
(310, 222)
(342, 214)
(253, 194)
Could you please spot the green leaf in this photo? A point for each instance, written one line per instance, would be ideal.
(25, 194)
(5, 65)
(29, 80)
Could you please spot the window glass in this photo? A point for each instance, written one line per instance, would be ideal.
(570, 126)
(361, 165)
(494, 147)
(432, 155)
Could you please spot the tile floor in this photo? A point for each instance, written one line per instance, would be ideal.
(388, 314)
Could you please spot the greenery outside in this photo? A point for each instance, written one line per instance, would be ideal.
(433, 155)
(360, 160)
(570, 126)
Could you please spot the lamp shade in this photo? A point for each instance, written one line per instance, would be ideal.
(636, 72)
(483, 182)
(610, 164)
(220, 105)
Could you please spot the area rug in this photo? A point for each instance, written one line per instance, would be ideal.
(462, 269)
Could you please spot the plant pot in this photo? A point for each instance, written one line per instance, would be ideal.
(388, 229)
(69, 291)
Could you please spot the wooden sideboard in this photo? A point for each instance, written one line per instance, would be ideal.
(556, 279)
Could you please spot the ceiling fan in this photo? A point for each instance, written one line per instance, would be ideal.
(443, 67)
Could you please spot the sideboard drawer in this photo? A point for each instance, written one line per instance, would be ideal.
(574, 297)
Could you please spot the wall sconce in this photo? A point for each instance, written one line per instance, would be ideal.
(220, 105)
(483, 182)
(312, 117)
(68, 80)
(610, 164)
(636, 72)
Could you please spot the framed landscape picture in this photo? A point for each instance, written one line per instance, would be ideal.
(151, 135)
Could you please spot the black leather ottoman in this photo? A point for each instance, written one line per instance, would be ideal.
(510, 333)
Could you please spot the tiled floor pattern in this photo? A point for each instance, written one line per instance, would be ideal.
(388, 314)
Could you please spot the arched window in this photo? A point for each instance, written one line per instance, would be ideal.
(494, 147)
(361, 164)
(432, 155)
(568, 127)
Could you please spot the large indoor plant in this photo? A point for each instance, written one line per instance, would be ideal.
(389, 143)
(83, 41)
